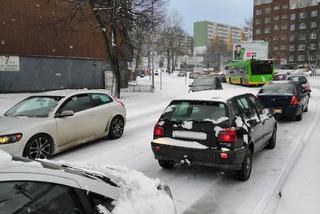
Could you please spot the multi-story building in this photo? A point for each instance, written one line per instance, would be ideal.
(292, 29)
(205, 32)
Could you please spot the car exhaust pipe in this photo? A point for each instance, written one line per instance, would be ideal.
(185, 161)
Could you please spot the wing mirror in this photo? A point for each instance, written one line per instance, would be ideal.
(67, 113)
(266, 111)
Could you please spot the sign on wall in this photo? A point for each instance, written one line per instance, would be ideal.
(9, 63)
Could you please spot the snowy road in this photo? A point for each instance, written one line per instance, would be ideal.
(198, 190)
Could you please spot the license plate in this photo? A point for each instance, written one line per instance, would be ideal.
(277, 110)
(190, 135)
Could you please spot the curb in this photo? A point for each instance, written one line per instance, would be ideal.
(276, 187)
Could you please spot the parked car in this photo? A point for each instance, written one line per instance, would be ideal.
(303, 80)
(279, 77)
(221, 129)
(48, 123)
(182, 74)
(202, 84)
(285, 99)
(42, 187)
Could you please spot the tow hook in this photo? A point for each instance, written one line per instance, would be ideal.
(186, 161)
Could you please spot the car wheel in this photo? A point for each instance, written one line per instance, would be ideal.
(166, 164)
(39, 146)
(272, 140)
(245, 171)
(116, 127)
(299, 117)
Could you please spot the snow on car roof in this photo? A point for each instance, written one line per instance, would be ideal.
(213, 95)
(70, 92)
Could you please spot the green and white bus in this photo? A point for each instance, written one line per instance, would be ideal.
(249, 72)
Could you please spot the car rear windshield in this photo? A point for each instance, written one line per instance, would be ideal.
(300, 79)
(278, 88)
(261, 67)
(204, 82)
(195, 111)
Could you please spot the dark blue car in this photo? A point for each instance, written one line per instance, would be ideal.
(285, 99)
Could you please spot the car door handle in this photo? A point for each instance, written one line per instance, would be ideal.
(92, 115)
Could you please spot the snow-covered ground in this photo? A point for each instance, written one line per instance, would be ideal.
(195, 189)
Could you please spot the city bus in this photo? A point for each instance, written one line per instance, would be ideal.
(249, 72)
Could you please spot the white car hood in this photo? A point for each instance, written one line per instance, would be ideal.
(11, 125)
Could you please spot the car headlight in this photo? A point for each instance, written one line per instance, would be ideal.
(12, 138)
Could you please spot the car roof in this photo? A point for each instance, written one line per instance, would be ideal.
(31, 170)
(213, 95)
(71, 92)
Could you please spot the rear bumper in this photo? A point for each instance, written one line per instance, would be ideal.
(289, 112)
(201, 157)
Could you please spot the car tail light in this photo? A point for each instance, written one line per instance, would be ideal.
(293, 101)
(227, 135)
(224, 155)
(119, 101)
(158, 131)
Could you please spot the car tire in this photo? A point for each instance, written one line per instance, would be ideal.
(245, 171)
(166, 164)
(272, 140)
(299, 117)
(39, 146)
(116, 127)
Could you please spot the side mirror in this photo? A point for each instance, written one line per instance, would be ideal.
(266, 111)
(67, 113)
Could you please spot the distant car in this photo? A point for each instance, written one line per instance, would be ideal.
(279, 77)
(221, 129)
(157, 71)
(285, 99)
(48, 123)
(182, 74)
(46, 187)
(303, 80)
(202, 84)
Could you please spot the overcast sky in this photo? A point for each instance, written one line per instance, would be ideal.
(231, 12)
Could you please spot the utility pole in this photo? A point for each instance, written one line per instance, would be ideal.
(152, 44)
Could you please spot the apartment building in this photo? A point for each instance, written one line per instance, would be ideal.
(205, 32)
(292, 29)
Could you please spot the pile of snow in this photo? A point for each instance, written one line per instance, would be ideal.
(187, 125)
(138, 194)
(5, 159)
(179, 143)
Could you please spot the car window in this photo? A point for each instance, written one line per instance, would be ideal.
(99, 200)
(29, 197)
(77, 103)
(278, 88)
(257, 104)
(100, 99)
(245, 107)
(299, 89)
(300, 79)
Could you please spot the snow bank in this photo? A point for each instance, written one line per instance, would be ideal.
(187, 125)
(5, 159)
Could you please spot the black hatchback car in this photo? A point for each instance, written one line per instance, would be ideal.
(285, 99)
(221, 129)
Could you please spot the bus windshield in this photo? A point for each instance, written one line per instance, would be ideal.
(261, 67)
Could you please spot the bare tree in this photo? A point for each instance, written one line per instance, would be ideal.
(116, 20)
(248, 25)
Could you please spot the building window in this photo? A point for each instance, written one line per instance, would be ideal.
(291, 58)
(291, 39)
(258, 21)
(301, 58)
(302, 25)
(276, 27)
(285, 17)
(267, 20)
(313, 46)
(291, 48)
(303, 15)
(313, 25)
(267, 30)
(277, 7)
(267, 10)
(302, 47)
(283, 47)
(314, 13)
(276, 18)
(302, 37)
(292, 27)
(284, 27)
(285, 6)
(283, 37)
(275, 38)
(275, 48)
(258, 32)
(313, 36)
(258, 12)
(293, 16)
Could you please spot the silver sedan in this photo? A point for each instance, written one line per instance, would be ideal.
(48, 123)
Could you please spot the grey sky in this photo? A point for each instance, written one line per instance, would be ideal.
(231, 12)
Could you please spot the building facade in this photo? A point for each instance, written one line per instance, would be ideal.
(206, 32)
(292, 29)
